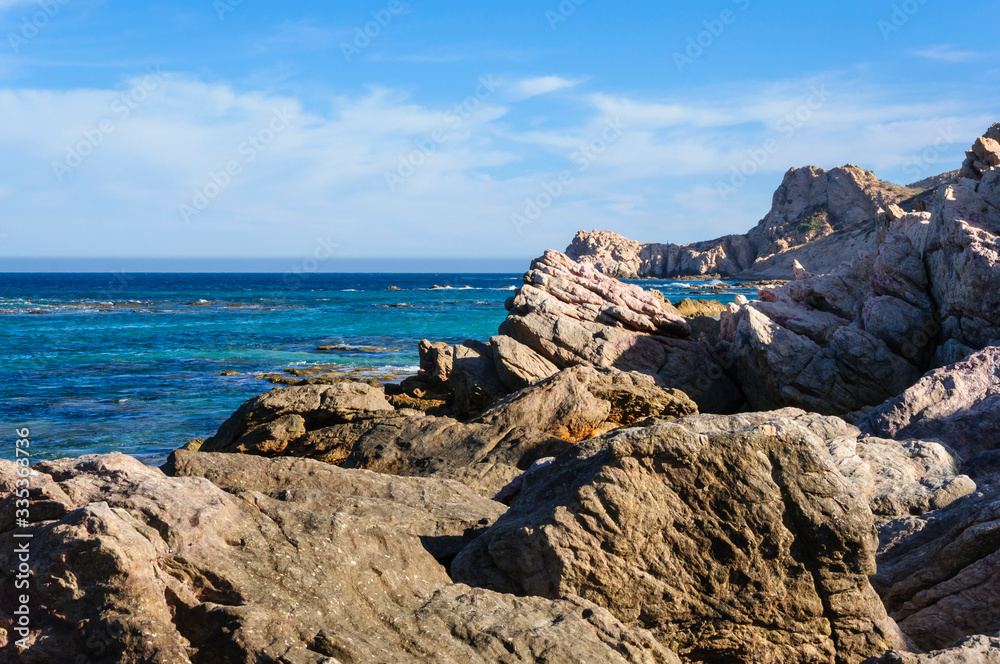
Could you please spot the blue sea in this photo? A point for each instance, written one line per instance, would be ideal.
(93, 363)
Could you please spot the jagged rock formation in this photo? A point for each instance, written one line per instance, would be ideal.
(837, 210)
(569, 314)
(132, 566)
(853, 339)
(738, 546)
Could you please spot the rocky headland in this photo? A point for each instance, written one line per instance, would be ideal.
(820, 218)
(812, 477)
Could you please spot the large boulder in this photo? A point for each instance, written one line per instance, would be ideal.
(939, 574)
(569, 314)
(958, 405)
(897, 478)
(131, 566)
(837, 343)
(735, 546)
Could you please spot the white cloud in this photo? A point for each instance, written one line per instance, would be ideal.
(325, 174)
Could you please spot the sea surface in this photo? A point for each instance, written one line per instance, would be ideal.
(136, 363)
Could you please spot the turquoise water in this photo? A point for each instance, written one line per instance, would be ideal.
(97, 363)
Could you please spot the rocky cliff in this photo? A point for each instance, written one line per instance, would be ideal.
(820, 218)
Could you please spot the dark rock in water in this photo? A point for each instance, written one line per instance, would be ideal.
(744, 546)
(132, 566)
(958, 405)
(939, 574)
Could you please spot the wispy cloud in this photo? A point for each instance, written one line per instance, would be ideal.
(541, 85)
(948, 53)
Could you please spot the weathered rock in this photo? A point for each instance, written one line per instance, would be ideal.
(939, 574)
(283, 413)
(897, 478)
(518, 365)
(132, 566)
(488, 451)
(984, 155)
(840, 370)
(570, 314)
(958, 405)
(736, 547)
(973, 650)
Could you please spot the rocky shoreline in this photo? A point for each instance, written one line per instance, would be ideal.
(813, 477)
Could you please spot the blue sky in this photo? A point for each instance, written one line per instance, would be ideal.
(495, 130)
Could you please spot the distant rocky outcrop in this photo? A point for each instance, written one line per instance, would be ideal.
(821, 218)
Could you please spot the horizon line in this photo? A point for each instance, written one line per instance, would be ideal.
(260, 265)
